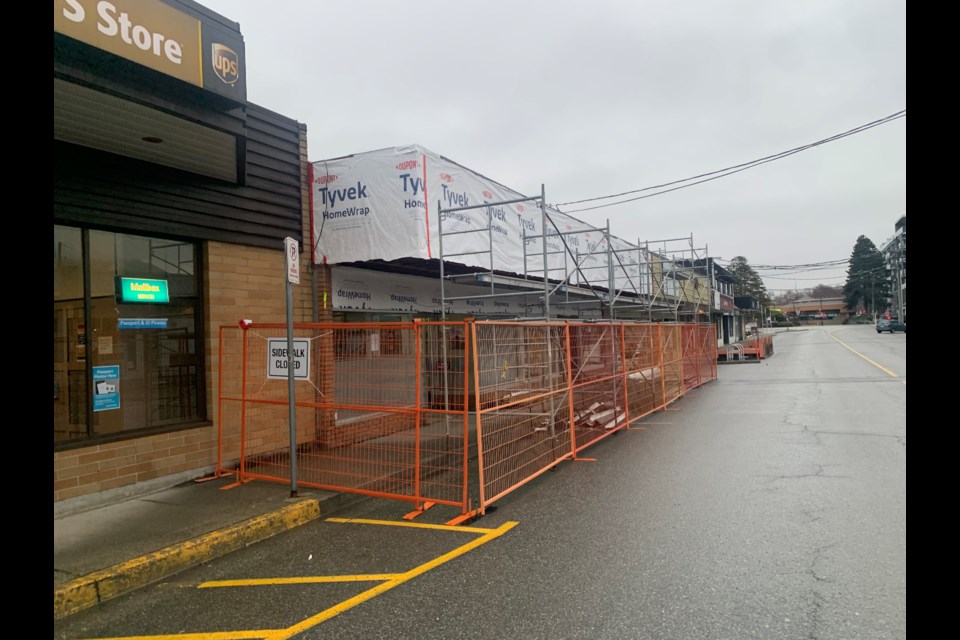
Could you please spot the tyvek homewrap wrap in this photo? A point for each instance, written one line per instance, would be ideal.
(383, 205)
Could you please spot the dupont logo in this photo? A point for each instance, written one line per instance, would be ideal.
(325, 179)
(520, 208)
(487, 194)
(406, 165)
(226, 63)
(446, 177)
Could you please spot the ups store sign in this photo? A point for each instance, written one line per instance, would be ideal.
(158, 36)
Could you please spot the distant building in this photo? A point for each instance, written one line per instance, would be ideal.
(816, 309)
(894, 252)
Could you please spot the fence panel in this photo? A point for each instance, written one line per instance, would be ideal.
(522, 396)
(708, 357)
(229, 384)
(381, 410)
(699, 355)
(645, 389)
(444, 363)
(599, 404)
(691, 356)
(672, 361)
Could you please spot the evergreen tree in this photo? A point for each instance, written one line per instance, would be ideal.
(868, 279)
(751, 284)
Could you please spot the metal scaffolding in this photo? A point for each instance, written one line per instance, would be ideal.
(566, 274)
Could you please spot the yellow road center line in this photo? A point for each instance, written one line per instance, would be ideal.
(854, 351)
(415, 525)
(254, 582)
(390, 584)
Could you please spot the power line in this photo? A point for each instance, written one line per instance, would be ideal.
(810, 279)
(790, 269)
(825, 263)
(728, 170)
(811, 266)
(789, 273)
(785, 276)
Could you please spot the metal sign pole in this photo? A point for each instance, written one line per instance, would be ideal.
(292, 260)
(292, 396)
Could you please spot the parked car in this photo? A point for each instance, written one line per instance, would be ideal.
(890, 325)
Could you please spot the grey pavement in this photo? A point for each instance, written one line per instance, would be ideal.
(107, 550)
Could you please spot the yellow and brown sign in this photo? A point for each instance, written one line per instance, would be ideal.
(226, 63)
(156, 35)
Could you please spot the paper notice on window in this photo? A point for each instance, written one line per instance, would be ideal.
(105, 345)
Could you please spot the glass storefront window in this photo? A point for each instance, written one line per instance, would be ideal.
(142, 362)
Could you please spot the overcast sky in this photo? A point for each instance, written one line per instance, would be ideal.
(600, 97)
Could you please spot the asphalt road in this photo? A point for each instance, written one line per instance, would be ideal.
(768, 504)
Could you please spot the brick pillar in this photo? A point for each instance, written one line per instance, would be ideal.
(325, 351)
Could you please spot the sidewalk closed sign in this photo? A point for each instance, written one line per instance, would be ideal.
(277, 358)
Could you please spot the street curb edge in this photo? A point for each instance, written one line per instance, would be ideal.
(102, 585)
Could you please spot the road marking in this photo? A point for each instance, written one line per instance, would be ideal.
(390, 584)
(254, 582)
(260, 634)
(852, 350)
(415, 525)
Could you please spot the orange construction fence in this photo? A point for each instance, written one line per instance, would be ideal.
(547, 391)
(759, 347)
(443, 413)
(380, 408)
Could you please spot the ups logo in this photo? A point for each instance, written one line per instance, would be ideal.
(226, 63)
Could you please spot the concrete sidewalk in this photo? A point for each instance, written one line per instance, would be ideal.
(110, 550)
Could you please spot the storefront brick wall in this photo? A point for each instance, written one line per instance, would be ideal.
(239, 282)
(87, 470)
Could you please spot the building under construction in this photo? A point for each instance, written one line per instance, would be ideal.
(479, 338)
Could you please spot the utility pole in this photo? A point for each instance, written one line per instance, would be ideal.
(795, 294)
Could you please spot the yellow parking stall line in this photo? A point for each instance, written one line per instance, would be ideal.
(390, 584)
(255, 582)
(261, 634)
(415, 525)
(852, 350)
(388, 581)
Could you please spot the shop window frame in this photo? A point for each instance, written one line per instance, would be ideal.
(203, 419)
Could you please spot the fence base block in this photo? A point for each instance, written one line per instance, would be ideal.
(417, 512)
(466, 517)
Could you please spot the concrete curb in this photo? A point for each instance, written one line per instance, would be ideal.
(108, 583)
